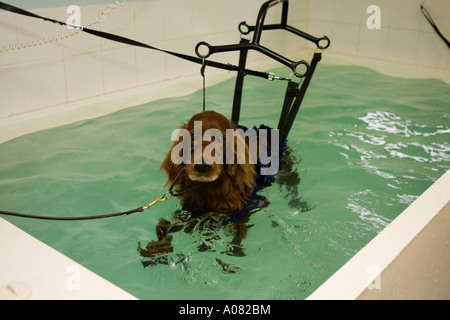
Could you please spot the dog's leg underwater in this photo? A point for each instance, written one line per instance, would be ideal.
(156, 249)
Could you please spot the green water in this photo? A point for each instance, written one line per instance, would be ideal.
(366, 146)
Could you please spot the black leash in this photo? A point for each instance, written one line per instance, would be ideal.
(102, 216)
(31, 216)
(169, 194)
(128, 41)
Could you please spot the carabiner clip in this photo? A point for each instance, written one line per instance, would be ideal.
(272, 77)
(164, 197)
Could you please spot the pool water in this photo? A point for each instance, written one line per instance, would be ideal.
(365, 145)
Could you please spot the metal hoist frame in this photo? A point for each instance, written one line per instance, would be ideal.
(294, 92)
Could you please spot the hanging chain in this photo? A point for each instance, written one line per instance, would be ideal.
(75, 30)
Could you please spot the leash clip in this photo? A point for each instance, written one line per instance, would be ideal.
(163, 198)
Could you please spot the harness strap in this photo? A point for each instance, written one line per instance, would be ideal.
(288, 116)
(291, 93)
(128, 41)
(433, 24)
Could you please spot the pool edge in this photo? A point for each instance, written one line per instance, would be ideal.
(54, 277)
(407, 260)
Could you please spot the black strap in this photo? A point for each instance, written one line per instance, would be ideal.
(291, 93)
(289, 116)
(431, 21)
(128, 41)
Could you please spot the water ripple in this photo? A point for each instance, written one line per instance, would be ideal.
(389, 122)
(399, 138)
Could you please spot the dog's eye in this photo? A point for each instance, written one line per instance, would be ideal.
(218, 138)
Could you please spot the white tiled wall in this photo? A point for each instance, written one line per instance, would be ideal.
(84, 66)
(405, 35)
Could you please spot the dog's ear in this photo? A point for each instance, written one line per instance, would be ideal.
(172, 170)
(241, 174)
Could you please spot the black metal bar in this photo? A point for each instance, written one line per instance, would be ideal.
(297, 32)
(251, 46)
(239, 85)
(259, 27)
(309, 37)
(284, 15)
(294, 94)
(261, 17)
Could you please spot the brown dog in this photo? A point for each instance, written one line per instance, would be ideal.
(212, 189)
(217, 187)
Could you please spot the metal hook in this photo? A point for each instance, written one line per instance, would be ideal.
(324, 38)
(204, 56)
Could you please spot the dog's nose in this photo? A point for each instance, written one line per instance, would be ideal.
(202, 168)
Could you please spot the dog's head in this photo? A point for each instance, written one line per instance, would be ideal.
(207, 156)
(200, 155)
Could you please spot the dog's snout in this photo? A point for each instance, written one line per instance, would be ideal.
(202, 168)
